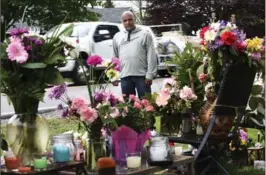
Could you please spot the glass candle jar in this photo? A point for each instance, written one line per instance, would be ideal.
(40, 163)
(64, 149)
(159, 149)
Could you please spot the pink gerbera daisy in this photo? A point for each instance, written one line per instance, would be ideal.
(16, 51)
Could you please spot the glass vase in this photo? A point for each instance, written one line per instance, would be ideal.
(95, 149)
(27, 135)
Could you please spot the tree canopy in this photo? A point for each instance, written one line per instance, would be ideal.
(250, 14)
(45, 13)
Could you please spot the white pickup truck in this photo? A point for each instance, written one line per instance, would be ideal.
(96, 38)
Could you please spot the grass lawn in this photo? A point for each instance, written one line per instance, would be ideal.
(58, 126)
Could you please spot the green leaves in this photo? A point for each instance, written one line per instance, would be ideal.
(256, 89)
(3, 53)
(55, 59)
(54, 77)
(233, 51)
(34, 65)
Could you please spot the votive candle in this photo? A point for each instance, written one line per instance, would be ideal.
(178, 150)
(40, 163)
(61, 153)
(133, 161)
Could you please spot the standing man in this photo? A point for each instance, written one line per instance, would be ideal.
(134, 47)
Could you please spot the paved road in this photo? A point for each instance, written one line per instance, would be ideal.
(72, 91)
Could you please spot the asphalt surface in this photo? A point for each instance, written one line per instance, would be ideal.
(49, 105)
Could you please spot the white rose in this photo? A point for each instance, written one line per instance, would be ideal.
(210, 35)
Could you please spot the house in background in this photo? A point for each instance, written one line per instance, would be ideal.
(112, 14)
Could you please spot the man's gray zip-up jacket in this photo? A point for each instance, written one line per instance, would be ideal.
(136, 52)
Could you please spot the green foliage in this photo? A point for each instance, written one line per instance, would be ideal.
(187, 65)
(25, 83)
(45, 14)
(255, 114)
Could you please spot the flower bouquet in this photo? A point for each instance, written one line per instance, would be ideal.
(29, 63)
(173, 104)
(135, 119)
(238, 146)
(230, 56)
(94, 113)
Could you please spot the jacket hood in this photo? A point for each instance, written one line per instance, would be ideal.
(137, 29)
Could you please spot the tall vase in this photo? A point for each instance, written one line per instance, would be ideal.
(95, 149)
(27, 132)
(170, 123)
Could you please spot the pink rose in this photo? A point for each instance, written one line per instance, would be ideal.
(169, 82)
(78, 103)
(104, 132)
(187, 94)
(145, 102)
(88, 114)
(137, 105)
(149, 108)
(202, 77)
(163, 97)
(132, 97)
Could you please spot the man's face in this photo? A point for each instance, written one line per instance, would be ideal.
(128, 22)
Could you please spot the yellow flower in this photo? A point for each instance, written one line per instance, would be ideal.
(243, 142)
(112, 74)
(231, 147)
(254, 44)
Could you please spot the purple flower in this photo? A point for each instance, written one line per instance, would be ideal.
(38, 42)
(57, 91)
(215, 45)
(18, 31)
(94, 60)
(116, 63)
(100, 97)
(239, 34)
(243, 135)
(112, 99)
(256, 56)
(65, 113)
(60, 107)
(223, 23)
(28, 48)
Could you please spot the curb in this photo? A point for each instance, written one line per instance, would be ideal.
(40, 111)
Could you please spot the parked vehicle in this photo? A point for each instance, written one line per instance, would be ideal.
(96, 38)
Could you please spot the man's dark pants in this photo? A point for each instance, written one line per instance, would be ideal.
(130, 84)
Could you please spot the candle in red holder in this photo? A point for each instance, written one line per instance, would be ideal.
(24, 169)
(12, 162)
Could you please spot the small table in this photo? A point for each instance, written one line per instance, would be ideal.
(52, 169)
(177, 161)
(255, 152)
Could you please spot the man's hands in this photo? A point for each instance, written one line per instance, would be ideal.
(115, 83)
(148, 82)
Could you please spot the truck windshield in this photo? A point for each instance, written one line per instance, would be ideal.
(79, 30)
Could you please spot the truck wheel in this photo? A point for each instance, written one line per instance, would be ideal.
(163, 73)
(77, 75)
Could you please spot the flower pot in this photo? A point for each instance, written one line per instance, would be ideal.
(126, 140)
